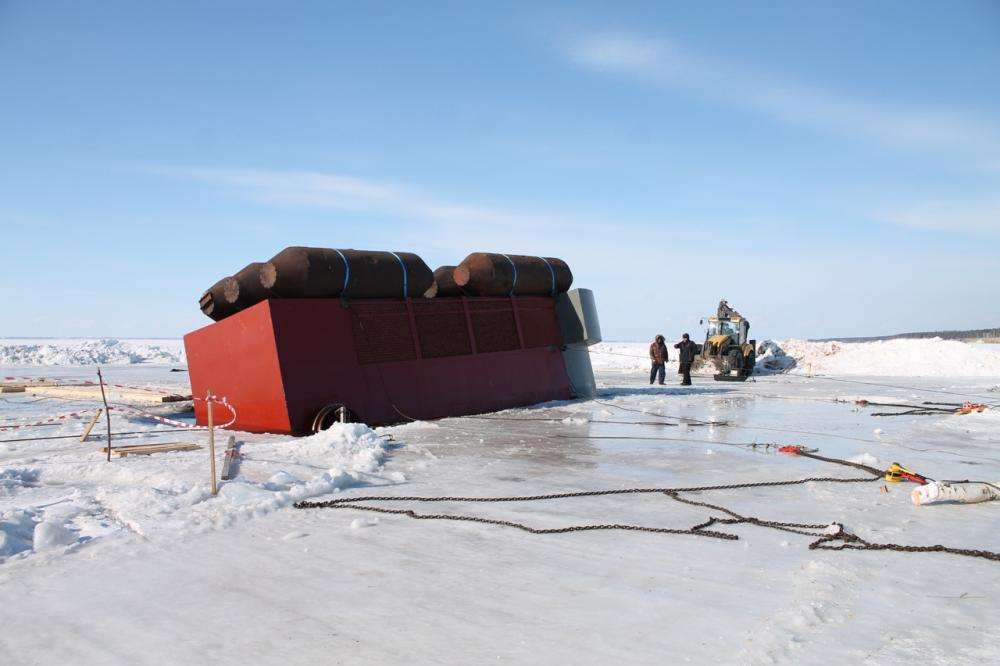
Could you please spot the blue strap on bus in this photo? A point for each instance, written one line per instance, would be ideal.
(552, 273)
(514, 266)
(347, 274)
(406, 281)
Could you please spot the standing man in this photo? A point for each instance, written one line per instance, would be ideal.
(686, 358)
(658, 357)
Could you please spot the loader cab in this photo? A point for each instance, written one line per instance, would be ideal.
(727, 346)
(738, 329)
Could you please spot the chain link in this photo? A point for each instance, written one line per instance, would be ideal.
(850, 541)
(695, 531)
(797, 528)
(839, 540)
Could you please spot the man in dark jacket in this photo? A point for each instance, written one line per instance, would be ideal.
(686, 358)
(658, 357)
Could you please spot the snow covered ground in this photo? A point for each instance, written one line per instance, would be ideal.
(932, 357)
(134, 561)
(903, 358)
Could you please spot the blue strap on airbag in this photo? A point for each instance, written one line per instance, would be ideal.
(552, 273)
(514, 266)
(406, 280)
(347, 274)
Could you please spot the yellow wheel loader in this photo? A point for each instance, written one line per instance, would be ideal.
(727, 347)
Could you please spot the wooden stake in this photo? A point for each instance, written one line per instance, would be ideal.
(90, 426)
(229, 463)
(211, 441)
(107, 412)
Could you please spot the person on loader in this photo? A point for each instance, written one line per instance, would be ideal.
(686, 358)
(658, 357)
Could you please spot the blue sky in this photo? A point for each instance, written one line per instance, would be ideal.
(830, 168)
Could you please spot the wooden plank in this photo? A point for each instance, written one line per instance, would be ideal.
(90, 426)
(20, 385)
(148, 449)
(230, 465)
(93, 392)
(147, 452)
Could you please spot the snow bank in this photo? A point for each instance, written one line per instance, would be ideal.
(928, 357)
(168, 494)
(106, 351)
(772, 358)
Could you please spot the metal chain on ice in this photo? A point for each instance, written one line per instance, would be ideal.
(839, 539)
(848, 540)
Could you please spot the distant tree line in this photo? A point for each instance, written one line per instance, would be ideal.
(980, 334)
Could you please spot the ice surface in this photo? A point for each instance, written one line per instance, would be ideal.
(134, 561)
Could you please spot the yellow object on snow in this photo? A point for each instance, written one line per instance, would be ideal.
(897, 473)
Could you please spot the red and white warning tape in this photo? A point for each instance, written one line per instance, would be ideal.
(224, 401)
(52, 419)
(125, 408)
(180, 424)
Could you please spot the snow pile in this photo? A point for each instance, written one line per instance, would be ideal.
(14, 478)
(106, 351)
(17, 529)
(273, 475)
(168, 494)
(927, 357)
(771, 358)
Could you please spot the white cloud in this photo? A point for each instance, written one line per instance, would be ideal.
(342, 192)
(443, 223)
(665, 64)
(632, 54)
(979, 218)
(611, 249)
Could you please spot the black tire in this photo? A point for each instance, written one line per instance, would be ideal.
(330, 414)
(734, 359)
